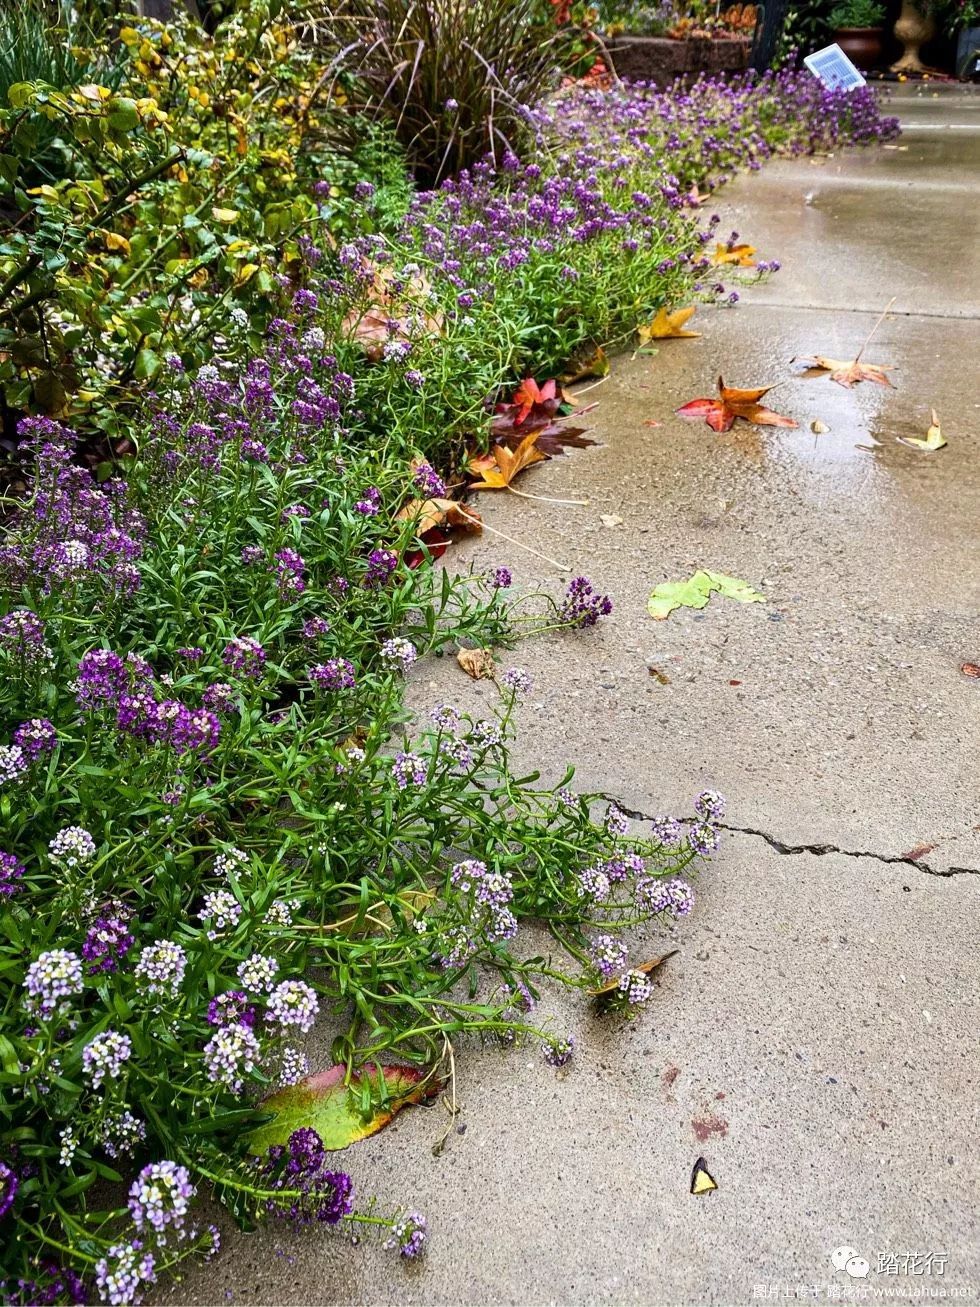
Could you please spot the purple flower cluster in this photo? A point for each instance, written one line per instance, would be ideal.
(380, 565)
(104, 1056)
(11, 871)
(127, 689)
(582, 606)
(674, 896)
(52, 980)
(76, 530)
(106, 943)
(22, 638)
(334, 674)
(35, 737)
(160, 1196)
(408, 1235)
(307, 1189)
(428, 482)
(244, 654)
(231, 1009)
(409, 769)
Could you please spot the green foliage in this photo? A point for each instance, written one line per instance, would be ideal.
(455, 78)
(857, 13)
(183, 190)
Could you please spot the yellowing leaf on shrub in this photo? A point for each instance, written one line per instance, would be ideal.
(668, 326)
(224, 215)
(116, 243)
(740, 256)
(245, 273)
(333, 1108)
(696, 591)
(934, 438)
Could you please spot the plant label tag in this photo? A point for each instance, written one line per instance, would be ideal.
(832, 67)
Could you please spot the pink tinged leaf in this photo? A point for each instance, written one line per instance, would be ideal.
(336, 1110)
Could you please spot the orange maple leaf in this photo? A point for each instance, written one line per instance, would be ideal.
(739, 255)
(498, 469)
(720, 414)
(667, 326)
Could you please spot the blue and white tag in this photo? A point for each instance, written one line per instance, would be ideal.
(832, 67)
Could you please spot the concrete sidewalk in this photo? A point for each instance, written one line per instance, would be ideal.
(816, 1038)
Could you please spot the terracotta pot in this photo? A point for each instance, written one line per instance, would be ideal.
(862, 45)
(913, 28)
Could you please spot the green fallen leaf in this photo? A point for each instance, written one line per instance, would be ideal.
(333, 1108)
(696, 591)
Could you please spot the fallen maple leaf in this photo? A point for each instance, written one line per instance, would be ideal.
(848, 374)
(696, 591)
(589, 363)
(535, 408)
(429, 513)
(720, 414)
(506, 463)
(934, 438)
(477, 663)
(667, 326)
(738, 255)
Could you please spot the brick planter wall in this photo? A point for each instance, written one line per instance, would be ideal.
(657, 59)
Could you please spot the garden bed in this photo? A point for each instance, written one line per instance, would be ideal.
(253, 368)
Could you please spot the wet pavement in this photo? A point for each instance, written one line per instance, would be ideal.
(816, 1037)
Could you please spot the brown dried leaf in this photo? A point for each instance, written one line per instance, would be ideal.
(849, 373)
(477, 663)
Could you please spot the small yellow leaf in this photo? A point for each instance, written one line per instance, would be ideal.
(224, 215)
(667, 326)
(934, 438)
(116, 243)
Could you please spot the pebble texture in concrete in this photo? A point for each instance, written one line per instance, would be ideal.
(816, 1037)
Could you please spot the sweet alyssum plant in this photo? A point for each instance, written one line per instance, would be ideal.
(216, 829)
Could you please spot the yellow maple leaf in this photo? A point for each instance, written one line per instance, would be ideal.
(667, 326)
(506, 463)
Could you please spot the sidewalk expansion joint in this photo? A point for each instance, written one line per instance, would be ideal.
(817, 850)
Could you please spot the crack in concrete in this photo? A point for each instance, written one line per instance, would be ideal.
(818, 850)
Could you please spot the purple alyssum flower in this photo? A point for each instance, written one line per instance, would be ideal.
(106, 943)
(558, 1052)
(293, 1003)
(160, 1196)
(55, 977)
(408, 769)
(11, 871)
(9, 1184)
(104, 1056)
(35, 737)
(334, 674)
